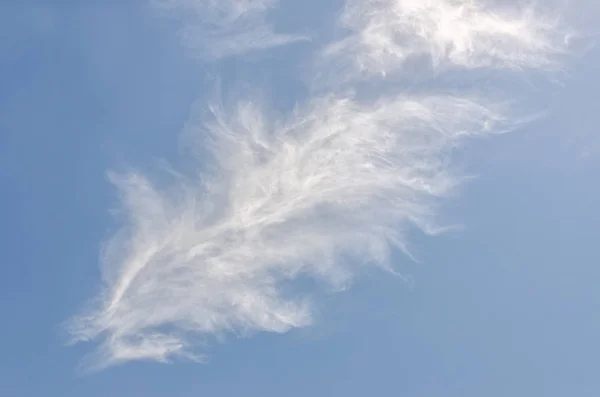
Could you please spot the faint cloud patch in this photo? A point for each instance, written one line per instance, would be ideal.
(216, 29)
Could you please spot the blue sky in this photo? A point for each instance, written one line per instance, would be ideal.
(505, 305)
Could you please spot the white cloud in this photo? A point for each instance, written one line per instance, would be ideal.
(386, 34)
(221, 28)
(320, 192)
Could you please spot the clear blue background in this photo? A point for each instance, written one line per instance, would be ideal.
(509, 306)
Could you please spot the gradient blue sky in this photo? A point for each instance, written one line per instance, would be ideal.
(506, 306)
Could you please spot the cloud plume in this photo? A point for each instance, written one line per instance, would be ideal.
(318, 192)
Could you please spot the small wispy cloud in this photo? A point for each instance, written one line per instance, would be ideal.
(450, 34)
(320, 192)
(216, 29)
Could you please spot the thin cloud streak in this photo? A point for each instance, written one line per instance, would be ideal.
(320, 192)
(215, 29)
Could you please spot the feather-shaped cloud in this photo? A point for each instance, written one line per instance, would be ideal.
(319, 192)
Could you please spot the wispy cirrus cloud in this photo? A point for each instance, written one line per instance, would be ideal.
(221, 28)
(386, 35)
(319, 192)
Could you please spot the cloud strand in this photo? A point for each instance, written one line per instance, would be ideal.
(215, 29)
(320, 192)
